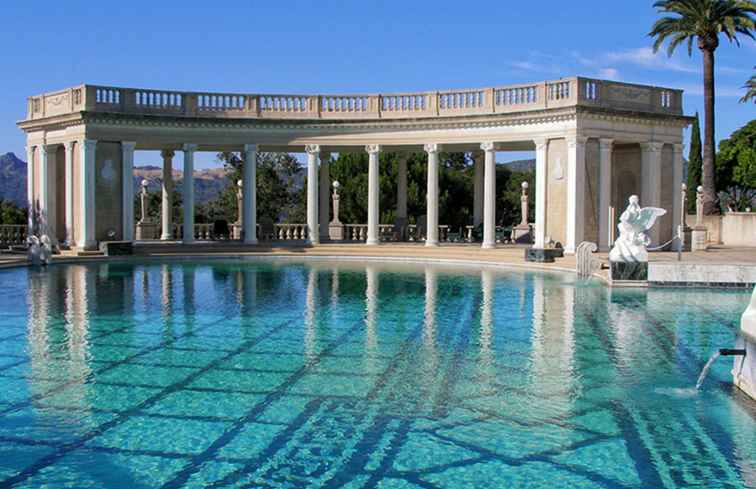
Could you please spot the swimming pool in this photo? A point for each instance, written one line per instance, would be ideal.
(281, 373)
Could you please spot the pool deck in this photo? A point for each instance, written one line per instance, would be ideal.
(716, 266)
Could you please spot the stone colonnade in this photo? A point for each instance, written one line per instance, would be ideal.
(81, 195)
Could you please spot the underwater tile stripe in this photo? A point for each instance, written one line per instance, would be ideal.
(122, 417)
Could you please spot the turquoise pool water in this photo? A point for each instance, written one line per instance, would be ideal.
(287, 374)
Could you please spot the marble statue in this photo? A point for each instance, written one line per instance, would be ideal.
(630, 247)
(40, 250)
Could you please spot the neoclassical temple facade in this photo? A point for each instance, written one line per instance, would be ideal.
(596, 142)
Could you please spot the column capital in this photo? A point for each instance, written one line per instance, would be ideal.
(540, 143)
(128, 145)
(250, 148)
(312, 149)
(431, 148)
(573, 141)
(167, 154)
(189, 148)
(373, 148)
(677, 148)
(68, 145)
(89, 143)
(605, 144)
(488, 146)
(325, 156)
(652, 147)
(50, 148)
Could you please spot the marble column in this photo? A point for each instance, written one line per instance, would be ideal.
(651, 182)
(677, 181)
(373, 236)
(87, 194)
(401, 188)
(575, 192)
(489, 196)
(313, 230)
(324, 195)
(249, 195)
(127, 200)
(188, 194)
(69, 185)
(541, 146)
(477, 157)
(167, 203)
(47, 187)
(605, 191)
(30, 176)
(432, 195)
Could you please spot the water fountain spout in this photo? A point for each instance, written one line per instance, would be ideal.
(732, 352)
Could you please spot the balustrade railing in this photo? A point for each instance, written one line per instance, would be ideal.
(290, 232)
(12, 234)
(511, 98)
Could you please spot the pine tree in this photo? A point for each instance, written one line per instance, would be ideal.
(695, 163)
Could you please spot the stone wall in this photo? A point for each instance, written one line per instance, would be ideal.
(78, 232)
(60, 193)
(556, 191)
(739, 229)
(592, 191)
(626, 166)
(108, 190)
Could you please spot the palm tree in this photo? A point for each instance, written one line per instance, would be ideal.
(704, 20)
(750, 87)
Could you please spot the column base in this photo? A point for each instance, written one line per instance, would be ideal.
(167, 237)
(488, 246)
(187, 241)
(372, 242)
(250, 241)
(429, 242)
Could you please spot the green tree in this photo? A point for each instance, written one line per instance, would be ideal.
(750, 87)
(10, 213)
(704, 21)
(695, 162)
(736, 168)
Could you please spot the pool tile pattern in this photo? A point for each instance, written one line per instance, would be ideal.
(236, 374)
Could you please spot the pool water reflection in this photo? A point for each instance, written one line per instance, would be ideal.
(260, 373)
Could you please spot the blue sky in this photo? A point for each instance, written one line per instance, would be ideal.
(343, 46)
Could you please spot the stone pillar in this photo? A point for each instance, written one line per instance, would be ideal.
(605, 191)
(69, 183)
(127, 200)
(678, 209)
(521, 232)
(249, 195)
(651, 182)
(325, 194)
(167, 203)
(30, 189)
(373, 236)
(699, 238)
(47, 187)
(477, 157)
(313, 230)
(489, 196)
(401, 188)
(87, 194)
(432, 195)
(188, 194)
(575, 192)
(540, 193)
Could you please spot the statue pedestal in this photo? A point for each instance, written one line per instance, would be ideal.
(543, 255)
(687, 236)
(145, 230)
(336, 231)
(236, 232)
(629, 271)
(522, 234)
(698, 239)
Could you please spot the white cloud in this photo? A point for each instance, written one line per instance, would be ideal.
(608, 73)
(646, 57)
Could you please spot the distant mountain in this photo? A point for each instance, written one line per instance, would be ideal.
(208, 183)
(521, 165)
(13, 179)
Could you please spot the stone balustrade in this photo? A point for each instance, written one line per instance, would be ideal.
(12, 234)
(290, 232)
(575, 91)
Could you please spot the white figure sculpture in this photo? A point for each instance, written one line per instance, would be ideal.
(40, 250)
(630, 247)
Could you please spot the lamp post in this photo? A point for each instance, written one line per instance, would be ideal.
(335, 228)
